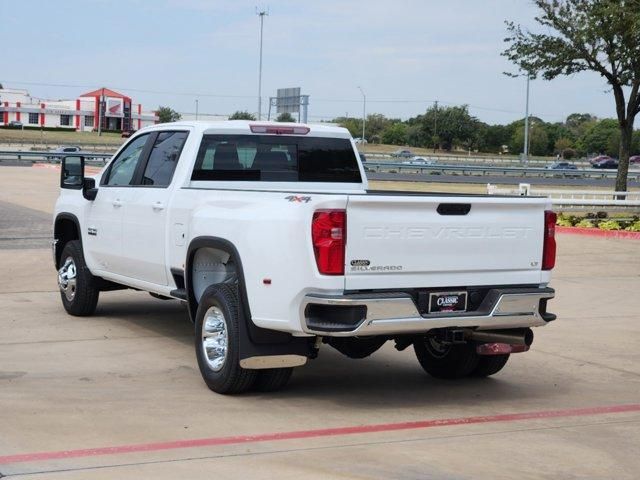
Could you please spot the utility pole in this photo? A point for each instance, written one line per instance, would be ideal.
(364, 112)
(196, 109)
(100, 113)
(435, 125)
(526, 124)
(261, 14)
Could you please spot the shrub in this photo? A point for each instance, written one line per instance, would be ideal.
(584, 223)
(609, 225)
(566, 220)
(568, 153)
(634, 227)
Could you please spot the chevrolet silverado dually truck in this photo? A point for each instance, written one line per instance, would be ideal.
(270, 236)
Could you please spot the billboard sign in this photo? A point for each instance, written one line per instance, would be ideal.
(288, 100)
(114, 107)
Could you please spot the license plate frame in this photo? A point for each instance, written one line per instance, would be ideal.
(448, 305)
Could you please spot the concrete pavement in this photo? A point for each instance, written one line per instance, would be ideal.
(127, 379)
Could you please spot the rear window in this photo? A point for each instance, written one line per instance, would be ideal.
(276, 159)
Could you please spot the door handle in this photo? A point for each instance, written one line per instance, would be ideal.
(117, 203)
(158, 206)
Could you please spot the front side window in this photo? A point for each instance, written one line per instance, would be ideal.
(124, 166)
(276, 159)
(163, 158)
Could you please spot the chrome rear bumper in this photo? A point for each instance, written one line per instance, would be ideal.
(396, 313)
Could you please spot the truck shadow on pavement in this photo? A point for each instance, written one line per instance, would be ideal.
(388, 377)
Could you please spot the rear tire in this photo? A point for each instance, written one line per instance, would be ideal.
(78, 289)
(490, 365)
(272, 379)
(217, 341)
(446, 361)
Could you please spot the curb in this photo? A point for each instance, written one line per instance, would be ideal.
(595, 232)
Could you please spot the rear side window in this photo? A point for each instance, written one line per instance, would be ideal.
(276, 159)
(163, 158)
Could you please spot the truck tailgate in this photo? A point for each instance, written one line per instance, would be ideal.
(406, 241)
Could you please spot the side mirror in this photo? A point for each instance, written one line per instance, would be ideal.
(72, 173)
(89, 190)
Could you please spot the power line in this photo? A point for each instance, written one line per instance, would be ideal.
(316, 99)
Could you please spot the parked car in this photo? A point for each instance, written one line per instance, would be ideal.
(611, 163)
(634, 160)
(403, 153)
(272, 237)
(561, 166)
(16, 124)
(363, 159)
(359, 141)
(127, 133)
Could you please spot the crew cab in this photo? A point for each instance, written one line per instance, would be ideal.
(270, 235)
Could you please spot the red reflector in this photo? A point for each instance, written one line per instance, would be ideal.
(500, 349)
(329, 235)
(278, 130)
(549, 248)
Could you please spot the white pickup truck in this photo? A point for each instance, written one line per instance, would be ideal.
(269, 234)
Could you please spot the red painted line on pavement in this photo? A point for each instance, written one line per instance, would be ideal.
(325, 432)
(596, 232)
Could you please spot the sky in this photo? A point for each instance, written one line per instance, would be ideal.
(404, 54)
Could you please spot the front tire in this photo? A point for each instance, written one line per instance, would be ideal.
(446, 361)
(217, 341)
(78, 289)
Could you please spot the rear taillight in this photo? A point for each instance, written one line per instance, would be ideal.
(329, 236)
(549, 248)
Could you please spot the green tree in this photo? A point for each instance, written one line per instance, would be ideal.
(538, 140)
(285, 117)
(395, 134)
(242, 115)
(577, 123)
(601, 137)
(497, 136)
(167, 114)
(562, 144)
(352, 124)
(602, 36)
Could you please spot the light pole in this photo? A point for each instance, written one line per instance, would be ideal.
(196, 109)
(364, 112)
(261, 14)
(526, 124)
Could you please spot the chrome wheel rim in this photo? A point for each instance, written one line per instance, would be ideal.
(214, 338)
(67, 279)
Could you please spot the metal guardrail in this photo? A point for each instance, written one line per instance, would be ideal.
(52, 156)
(390, 167)
(474, 159)
(493, 170)
(575, 199)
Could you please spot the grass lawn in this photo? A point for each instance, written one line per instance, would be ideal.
(62, 138)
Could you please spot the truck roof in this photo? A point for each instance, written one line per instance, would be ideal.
(244, 127)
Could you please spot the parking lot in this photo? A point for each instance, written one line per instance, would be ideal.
(119, 395)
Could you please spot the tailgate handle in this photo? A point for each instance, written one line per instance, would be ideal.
(454, 208)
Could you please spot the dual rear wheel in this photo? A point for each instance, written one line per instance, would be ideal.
(217, 345)
(452, 361)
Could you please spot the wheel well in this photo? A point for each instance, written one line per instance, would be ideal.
(211, 266)
(65, 230)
